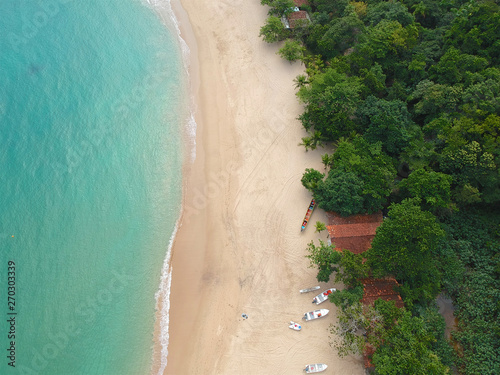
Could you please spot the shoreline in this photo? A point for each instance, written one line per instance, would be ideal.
(238, 248)
(175, 14)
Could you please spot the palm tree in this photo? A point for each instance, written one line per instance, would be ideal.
(300, 81)
(327, 160)
(308, 143)
(320, 227)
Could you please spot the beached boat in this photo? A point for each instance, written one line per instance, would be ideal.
(308, 214)
(315, 368)
(322, 297)
(315, 314)
(295, 326)
(309, 289)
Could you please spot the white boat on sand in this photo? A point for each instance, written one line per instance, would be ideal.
(309, 289)
(323, 296)
(315, 314)
(295, 326)
(315, 368)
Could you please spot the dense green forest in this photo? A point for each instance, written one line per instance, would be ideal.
(408, 95)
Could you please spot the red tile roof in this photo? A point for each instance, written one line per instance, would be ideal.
(373, 290)
(380, 288)
(295, 16)
(299, 3)
(354, 233)
(353, 230)
(336, 219)
(357, 245)
(367, 355)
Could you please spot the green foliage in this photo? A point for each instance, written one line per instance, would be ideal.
(330, 102)
(453, 66)
(406, 349)
(333, 7)
(347, 333)
(474, 243)
(482, 99)
(430, 13)
(311, 178)
(435, 324)
(473, 171)
(404, 344)
(476, 29)
(388, 10)
(341, 192)
(404, 246)
(326, 160)
(433, 189)
(385, 43)
(351, 269)
(359, 180)
(470, 153)
(349, 266)
(359, 8)
(324, 257)
(373, 79)
(369, 163)
(300, 81)
(320, 227)
(433, 99)
(273, 30)
(314, 65)
(292, 50)
(404, 239)
(469, 163)
(279, 7)
(340, 35)
(418, 154)
(346, 297)
(313, 141)
(457, 133)
(388, 122)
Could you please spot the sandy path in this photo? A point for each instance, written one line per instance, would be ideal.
(240, 249)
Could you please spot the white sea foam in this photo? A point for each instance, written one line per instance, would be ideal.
(163, 294)
(191, 130)
(164, 9)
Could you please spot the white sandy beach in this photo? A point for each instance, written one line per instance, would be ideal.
(239, 248)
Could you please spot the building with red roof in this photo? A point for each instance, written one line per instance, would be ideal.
(354, 233)
(295, 18)
(374, 289)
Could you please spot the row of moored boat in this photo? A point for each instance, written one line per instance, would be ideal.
(311, 315)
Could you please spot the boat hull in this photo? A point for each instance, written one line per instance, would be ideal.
(312, 205)
(322, 297)
(312, 289)
(315, 368)
(311, 315)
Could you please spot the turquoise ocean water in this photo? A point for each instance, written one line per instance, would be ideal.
(92, 105)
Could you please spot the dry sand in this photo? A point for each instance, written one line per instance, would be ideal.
(239, 248)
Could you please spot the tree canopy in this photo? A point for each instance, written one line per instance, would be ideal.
(359, 181)
(330, 100)
(404, 247)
